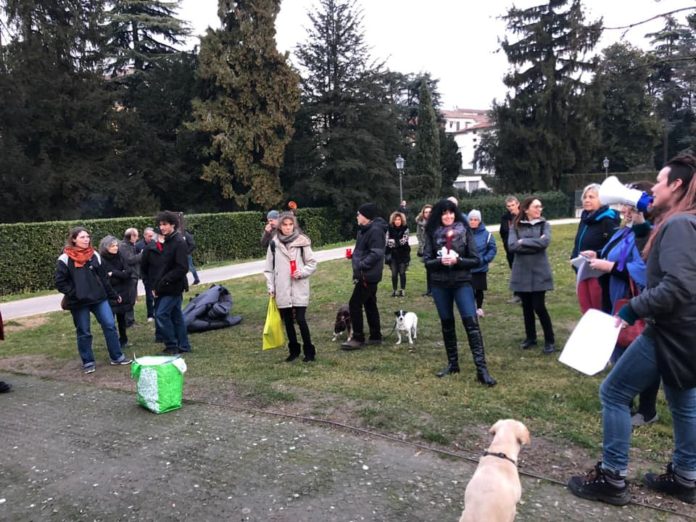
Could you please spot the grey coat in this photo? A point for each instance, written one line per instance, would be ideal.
(669, 301)
(531, 271)
(288, 291)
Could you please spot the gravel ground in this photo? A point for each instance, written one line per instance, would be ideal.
(77, 452)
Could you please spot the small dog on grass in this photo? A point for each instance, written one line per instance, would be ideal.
(343, 323)
(406, 322)
(494, 490)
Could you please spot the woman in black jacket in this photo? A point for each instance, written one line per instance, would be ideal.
(450, 253)
(398, 252)
(81, 277)
(665, 349)
(120, 277)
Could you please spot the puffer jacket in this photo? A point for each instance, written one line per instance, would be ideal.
(82, 286)
(289, 291)
(368, 254)
(669, 301)
(452, 276)
(485, 244)
(531, 271)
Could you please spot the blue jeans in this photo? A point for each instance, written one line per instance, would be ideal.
(463, 296)
(192, 268)
(170, 322)
(635, 371)
(105, 317)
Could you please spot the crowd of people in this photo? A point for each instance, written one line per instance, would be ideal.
(640, 264)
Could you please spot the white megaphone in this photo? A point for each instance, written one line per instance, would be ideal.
(613, 191)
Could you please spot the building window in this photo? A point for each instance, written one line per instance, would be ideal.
(457, 125)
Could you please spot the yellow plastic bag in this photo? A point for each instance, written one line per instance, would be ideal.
(273, 333)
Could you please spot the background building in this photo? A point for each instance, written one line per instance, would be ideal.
(467, 125)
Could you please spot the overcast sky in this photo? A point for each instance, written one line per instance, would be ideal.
(455, 40)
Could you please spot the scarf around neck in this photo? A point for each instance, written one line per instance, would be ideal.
(289, 238)
(441, 232)
(80, 256)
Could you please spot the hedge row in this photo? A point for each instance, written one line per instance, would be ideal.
(29, 251)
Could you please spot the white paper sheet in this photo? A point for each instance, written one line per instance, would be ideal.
(592, 342)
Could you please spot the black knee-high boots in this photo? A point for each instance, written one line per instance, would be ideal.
(449, 336)
(473, 334)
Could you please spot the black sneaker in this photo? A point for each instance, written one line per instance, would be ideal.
(292, 357)
(594, 486)
(528, 343)
(549, 348)
(670, 484)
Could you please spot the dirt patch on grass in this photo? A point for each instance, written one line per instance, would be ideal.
(24, 323)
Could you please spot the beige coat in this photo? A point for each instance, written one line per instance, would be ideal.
(288, 291)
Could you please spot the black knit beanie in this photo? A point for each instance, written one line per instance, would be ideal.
(369, 210)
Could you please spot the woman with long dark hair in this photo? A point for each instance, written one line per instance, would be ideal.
(666, 349)
(81, 277)
(531, 276)
(449, 254)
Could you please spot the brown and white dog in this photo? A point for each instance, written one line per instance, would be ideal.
(494, 491)
(343, 323)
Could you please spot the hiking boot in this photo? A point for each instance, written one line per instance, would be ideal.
(672, 484)
(353, 344)
(639, 420)
(528, 343)
(122, 361)
(600, 484)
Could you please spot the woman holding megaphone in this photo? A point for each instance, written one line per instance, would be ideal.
(665, 350)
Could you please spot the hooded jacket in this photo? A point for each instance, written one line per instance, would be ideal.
(485, 244)
(368, 254)
(669, 301)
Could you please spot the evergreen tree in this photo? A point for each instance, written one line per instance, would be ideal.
(450, 161)
(142, 32)
(344, 151)
(628, 126)
(250, 96)
(428, 173)
(544, 127)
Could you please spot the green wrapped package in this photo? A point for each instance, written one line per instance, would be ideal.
(159, 382)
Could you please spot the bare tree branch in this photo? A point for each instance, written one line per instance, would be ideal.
(630, 26)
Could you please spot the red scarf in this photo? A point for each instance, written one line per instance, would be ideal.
(80, 256)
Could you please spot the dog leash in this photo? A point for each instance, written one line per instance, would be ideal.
(500, 455)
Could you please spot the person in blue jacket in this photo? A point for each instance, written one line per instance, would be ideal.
(485, 244)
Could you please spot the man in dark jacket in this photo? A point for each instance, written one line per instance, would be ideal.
(168, 279)
(129, 252)
(368, 264)
(512, 204)
(148, 235)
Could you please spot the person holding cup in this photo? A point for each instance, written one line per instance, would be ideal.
(289, 263)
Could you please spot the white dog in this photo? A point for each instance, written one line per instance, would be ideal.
(406, 322)
(494, 491)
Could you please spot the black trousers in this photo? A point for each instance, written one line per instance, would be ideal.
(122, 322)
(364, 295)
(534, 303)
(290, 316)
(398, 270)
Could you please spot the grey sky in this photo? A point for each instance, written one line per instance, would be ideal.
(455, 40)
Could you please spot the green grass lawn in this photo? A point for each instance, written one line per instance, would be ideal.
(386, 388)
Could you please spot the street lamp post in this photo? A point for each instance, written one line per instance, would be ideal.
(399, 162)
(605, 164)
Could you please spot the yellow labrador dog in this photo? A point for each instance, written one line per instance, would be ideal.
(494, 491)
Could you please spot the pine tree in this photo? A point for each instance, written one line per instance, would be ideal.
(629, 129)
(343, 154)
(426, 167)
(250, 96)
(544, 127)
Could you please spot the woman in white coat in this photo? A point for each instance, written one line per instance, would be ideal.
(289, 263)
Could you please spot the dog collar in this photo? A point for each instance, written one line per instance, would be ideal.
(500, 455)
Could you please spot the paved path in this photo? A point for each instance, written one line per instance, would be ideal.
(72, 451)
(51, 303)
